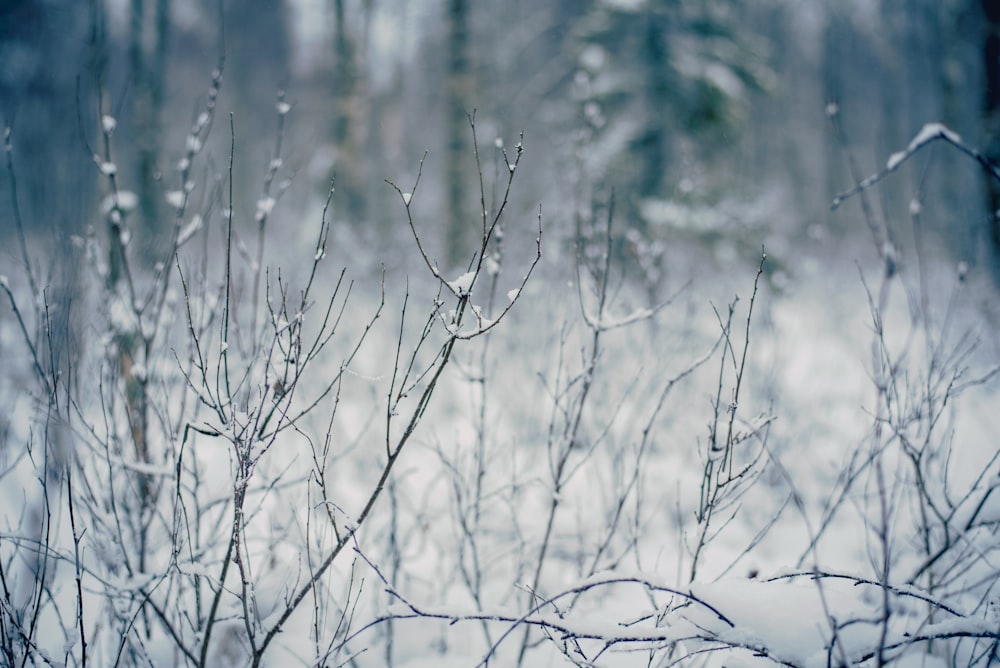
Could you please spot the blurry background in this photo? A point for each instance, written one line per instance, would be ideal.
(720, 126)
(708, 118)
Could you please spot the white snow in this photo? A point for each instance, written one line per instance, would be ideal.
(496, 427)
(928, 133)
(463, 284)
(189, 230)
(895, 159)
(932, 131)
(175, 198)
(264, 207)
(123, 200)
(723, 78)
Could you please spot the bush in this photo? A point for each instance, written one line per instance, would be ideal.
(231, 465)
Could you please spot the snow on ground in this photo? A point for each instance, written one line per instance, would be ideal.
(510, 494)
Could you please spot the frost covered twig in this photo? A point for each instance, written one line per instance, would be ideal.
(609, 632)
(463, 286)
(927, 135)
(267, 201)
(721, 486)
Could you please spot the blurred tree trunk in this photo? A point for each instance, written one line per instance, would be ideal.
(654, 144)
(148, 64)
(147, 71)
(963, 76)
(895, 71)
(348, 131)
(991, 107)
(373, 166)
(44, 50)
(49, 59)
(343, 73)
(835, 175)
(460, 227)
(257, 68)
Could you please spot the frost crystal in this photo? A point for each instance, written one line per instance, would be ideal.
(283, 107)
(108, 123)
(513, 294)
(406, 198)
(276, 164)
(108, 168)
(4, 282)
(193, 144)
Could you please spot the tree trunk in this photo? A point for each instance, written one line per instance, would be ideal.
(991, 108)
(460, 227)
(348, 132)
(147, 59)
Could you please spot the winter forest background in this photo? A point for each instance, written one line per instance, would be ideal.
(561, 332)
